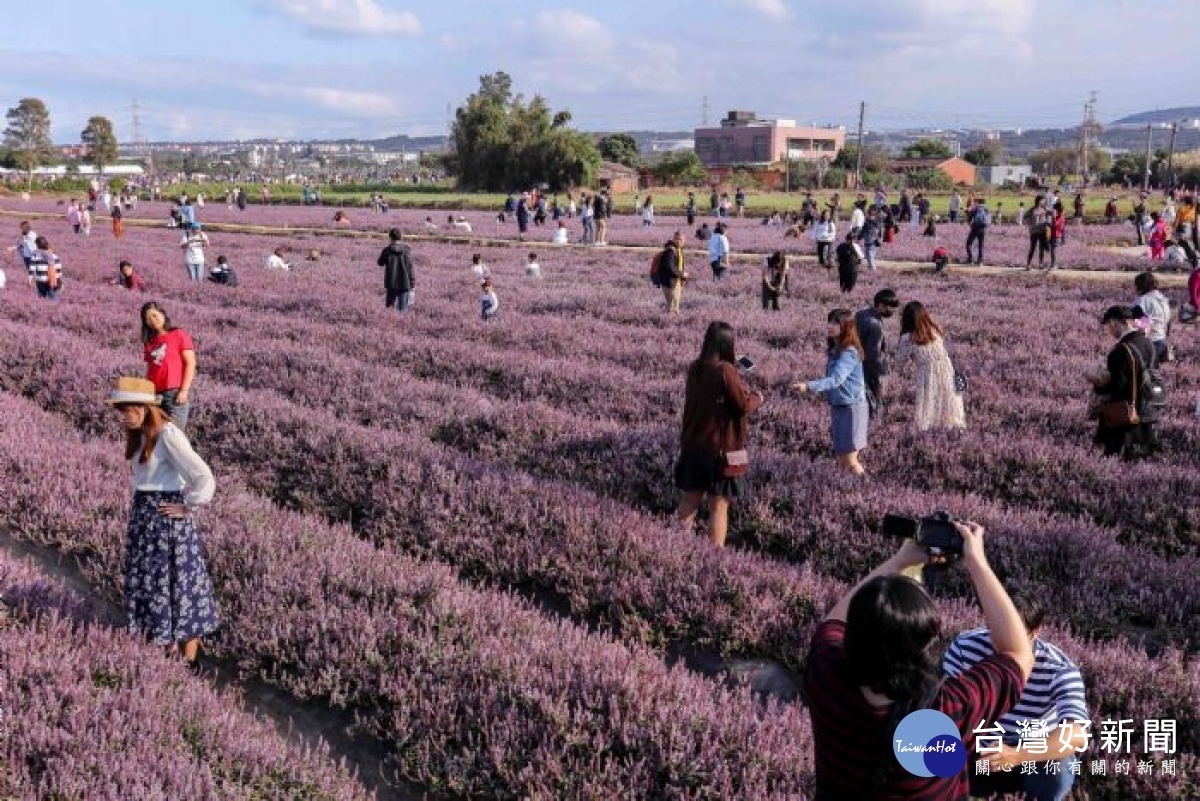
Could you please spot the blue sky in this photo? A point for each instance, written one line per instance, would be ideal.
(229, 69)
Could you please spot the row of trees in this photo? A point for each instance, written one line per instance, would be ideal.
(27, 142)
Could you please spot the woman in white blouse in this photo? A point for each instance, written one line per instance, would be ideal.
(168, 592)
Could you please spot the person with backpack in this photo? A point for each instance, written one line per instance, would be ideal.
(1125, 407)
(774, 280)
(670, 272)
(848, 259)
(978, 222)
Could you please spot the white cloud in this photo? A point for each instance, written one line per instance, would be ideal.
(353, 17)
(775, 9)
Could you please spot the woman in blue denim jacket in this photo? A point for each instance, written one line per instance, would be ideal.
(845, 389)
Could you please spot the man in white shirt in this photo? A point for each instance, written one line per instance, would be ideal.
(718, 252)
(275, 260)
(857, 218)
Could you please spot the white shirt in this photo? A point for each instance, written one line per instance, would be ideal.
(276, 262)
(825, 231)
(1156, 306)
(533, 269)
(560, 236)
(857, 218)
(173, 466)
(196, 242)
(481, 270)
(718, 247)
(462, 225)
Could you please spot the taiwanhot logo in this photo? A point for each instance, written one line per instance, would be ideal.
(926, 744)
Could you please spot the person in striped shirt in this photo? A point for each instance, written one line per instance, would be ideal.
(1053, 701)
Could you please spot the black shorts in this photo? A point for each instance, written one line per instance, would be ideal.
(695, 473)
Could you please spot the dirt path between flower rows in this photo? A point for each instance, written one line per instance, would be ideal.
(302, 723)
(1096, 276)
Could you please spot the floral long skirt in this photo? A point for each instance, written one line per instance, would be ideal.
(168, 593)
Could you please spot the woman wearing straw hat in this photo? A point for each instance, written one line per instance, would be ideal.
(168, 593)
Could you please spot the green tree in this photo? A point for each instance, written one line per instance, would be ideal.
(1054, 160)
(101, 142)
(874, 158)
(680, 168)
(928, 149)
(28, 135)
(499, 142)
(621, 148)
(985, 154)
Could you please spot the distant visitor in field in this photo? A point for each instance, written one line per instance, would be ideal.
(718, 252)
(849, 256)
(713, 460)
(478, 268)
(314, 254)
(648, 212)
(127, 278)
(870, 236)
(774, 280)
(703, 233)
(489, 304)
(669, 272)
(118, 220)
(341, 218)
(170, 360)
(399, 281)
(532, 268)
(845, 389)
(168, 592)
(690, 209)
(45, 270)
(1125, 417)
(276, 261)
(222, 273)
(560, 234)
(601, 211)
(26, 243)
(941, 259)
(193, 244)
(825, 234)
(868, 323)
(523, 215)
(429, 224)
(978, 222)
(1041, 222)
(460, 224)
(937, 399)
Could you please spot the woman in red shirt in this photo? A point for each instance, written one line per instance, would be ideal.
(170, 362)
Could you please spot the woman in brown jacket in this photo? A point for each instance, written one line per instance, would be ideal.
(712, 442)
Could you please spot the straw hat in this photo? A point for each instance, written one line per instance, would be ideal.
(133, 390)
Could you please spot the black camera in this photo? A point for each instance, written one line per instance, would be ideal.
(935, 533)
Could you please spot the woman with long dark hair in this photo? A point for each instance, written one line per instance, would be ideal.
(938, 404)
(844, 386)
(712, 442)
(170, 362)
(168, 592)
(876, 658)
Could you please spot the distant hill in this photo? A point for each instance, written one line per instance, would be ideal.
(1166, 115)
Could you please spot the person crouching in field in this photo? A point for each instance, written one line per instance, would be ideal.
(489, 304)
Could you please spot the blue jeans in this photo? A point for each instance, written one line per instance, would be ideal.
(871, 250)
(401, 300)
(195, 269)
(1043, 786)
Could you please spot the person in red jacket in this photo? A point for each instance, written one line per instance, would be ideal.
(712, 443)
(170, 362)
(127, 278)
(1058, 233)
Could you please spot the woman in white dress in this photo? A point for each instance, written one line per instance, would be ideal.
(938, 403)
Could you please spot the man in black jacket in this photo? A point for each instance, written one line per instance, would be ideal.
(398, 280)
(869, 323)
(1126, 366)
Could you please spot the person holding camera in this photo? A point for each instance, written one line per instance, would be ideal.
(845, 388)
(1054, 698)
(875, 659)
(712, 441)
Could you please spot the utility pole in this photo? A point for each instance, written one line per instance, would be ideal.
(862, 112)
(704, 112)
(1146, 174)
(140, 148)
(1171, 156)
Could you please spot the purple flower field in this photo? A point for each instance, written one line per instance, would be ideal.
(387, 482)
